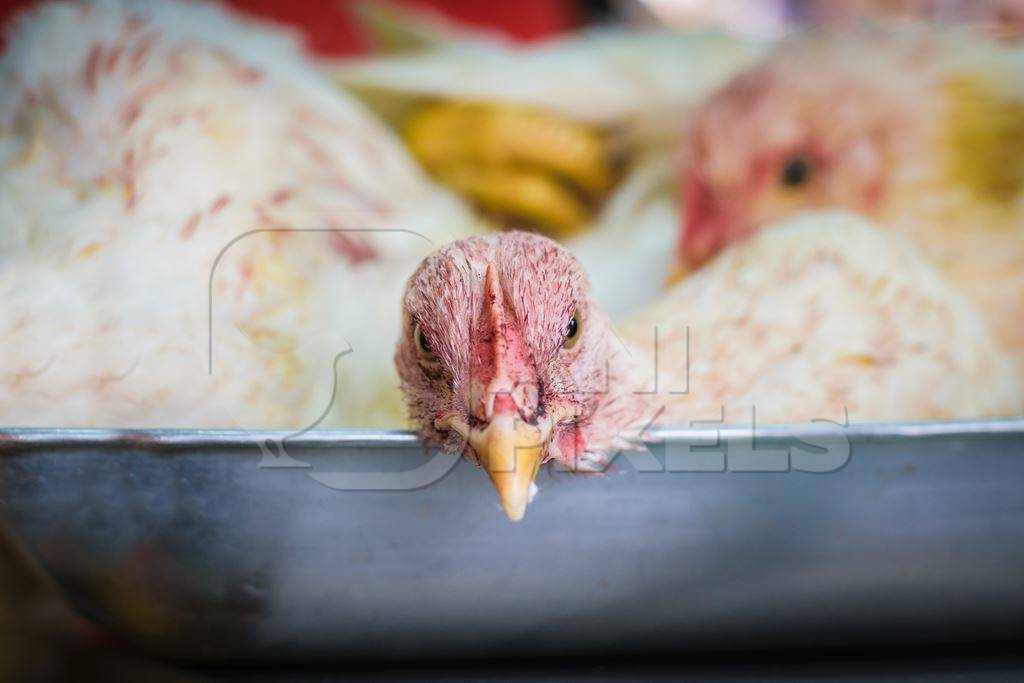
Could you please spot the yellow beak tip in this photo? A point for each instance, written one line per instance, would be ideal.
(511, 452)
(515, 512)
(514, 494)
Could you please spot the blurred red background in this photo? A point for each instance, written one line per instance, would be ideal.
(330, 27)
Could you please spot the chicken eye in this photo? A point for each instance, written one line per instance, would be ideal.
(796, 172)
(572, 331)
(422, 343)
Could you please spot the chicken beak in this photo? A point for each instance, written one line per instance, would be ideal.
(511, 451)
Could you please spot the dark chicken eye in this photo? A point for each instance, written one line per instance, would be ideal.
(796, 172)
(422, 344)
(572, 331)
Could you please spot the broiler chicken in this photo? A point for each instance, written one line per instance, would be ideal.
(503, 355)
(196, 227)
(920, 128)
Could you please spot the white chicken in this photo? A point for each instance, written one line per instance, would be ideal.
(194, 226)
(824, 316)
(918, 127)
(505, 357)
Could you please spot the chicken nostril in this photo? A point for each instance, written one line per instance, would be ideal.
(521, 400)
(503, 404)
(527, 398)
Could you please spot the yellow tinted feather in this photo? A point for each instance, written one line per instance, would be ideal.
(986, 138)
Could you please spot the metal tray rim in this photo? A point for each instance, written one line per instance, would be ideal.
(368, 438)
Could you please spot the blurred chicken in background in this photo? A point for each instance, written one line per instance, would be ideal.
(920, 128)
(1002, 19)
(195, 224)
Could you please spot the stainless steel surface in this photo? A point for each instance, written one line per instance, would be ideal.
(861, 667)
(181, 542)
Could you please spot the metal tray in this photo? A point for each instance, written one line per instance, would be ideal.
(240, 545)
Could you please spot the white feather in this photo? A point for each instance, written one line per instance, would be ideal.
(140, 145)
